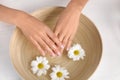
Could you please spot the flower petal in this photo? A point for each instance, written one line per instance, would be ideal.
(76, 57)
(34, 70)
(39, 59)
(39, 73)
(47, 66)
(34, 63)
(43, 70)
(56, 69)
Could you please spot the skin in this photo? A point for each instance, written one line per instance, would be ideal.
(68, 21)
(39, 34)
(35, 31)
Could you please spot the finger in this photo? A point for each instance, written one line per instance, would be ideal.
(54, 38)
(61, 36)
(70, 40)
(61, 50)
(69, 44)
(37, 46)
(50, 43)
(65, 40)
(44, 45)
(57, 30)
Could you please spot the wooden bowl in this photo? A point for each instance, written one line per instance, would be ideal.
(22, 52)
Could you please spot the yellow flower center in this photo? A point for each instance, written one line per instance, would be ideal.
(76, 52)
(59, 74)
(40, 65)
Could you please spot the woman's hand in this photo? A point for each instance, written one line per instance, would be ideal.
(68, 21)
(66, 28)
(39, 34)
(36, 31)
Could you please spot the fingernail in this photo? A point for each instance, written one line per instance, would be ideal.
(53, 55)
(59, 54)
(43, 54)
(62, 46)
(54, 46)
(67, 49)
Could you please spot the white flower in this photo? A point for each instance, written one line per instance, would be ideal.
(59, 73)
(76, 52)
(40, 66)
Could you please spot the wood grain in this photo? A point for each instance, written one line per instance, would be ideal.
(22, 52)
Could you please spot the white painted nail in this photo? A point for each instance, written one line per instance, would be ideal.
(62, 46)
(59, 54)
(67, 49)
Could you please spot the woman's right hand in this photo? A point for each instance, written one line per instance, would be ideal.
(39, 34)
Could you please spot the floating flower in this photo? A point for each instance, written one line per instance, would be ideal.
(76, 52)
(40, 66)
(59, 73)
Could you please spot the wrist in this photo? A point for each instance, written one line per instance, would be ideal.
(77, 4)
(20, 19)
(72, 8)
(8, 15)
(19, 15)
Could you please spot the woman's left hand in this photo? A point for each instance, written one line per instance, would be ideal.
(66, 27)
